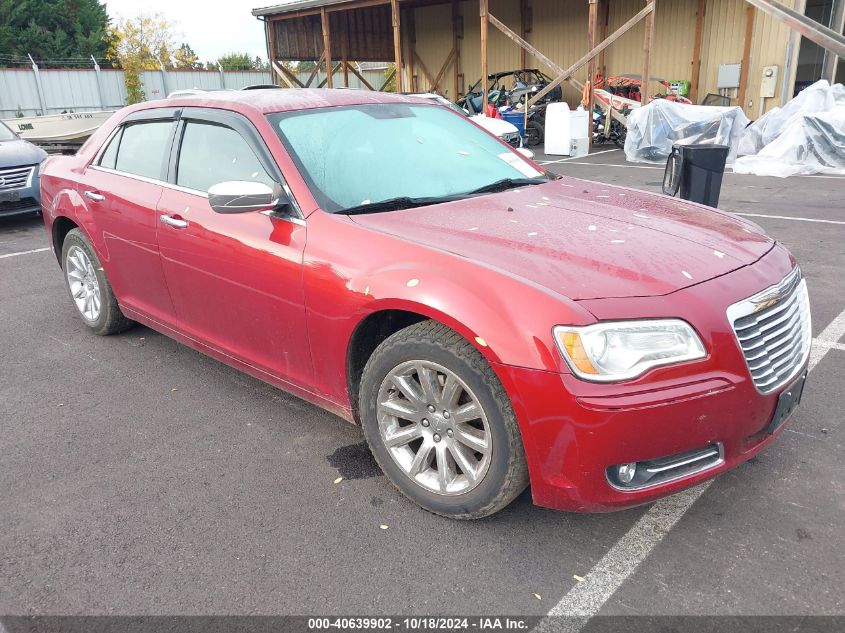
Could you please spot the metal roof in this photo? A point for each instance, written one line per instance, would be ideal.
(294, 5)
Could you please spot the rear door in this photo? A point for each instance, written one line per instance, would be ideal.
(122, 187)
(235, 279)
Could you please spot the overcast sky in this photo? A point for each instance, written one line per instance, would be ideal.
(212, 28)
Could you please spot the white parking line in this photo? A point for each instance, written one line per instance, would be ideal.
(35, 250)
(586, 598)
(788, 217)
(569, 158)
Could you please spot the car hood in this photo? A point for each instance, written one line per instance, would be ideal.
(583, 239)
(496, 127)
(16, 153)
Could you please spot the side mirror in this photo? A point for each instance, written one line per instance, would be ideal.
(525, 152)
(243, 196)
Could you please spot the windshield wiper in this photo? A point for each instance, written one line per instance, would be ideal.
(507, 183)
(394, 204)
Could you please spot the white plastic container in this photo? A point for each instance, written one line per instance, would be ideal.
(558, 130)
(579, 127)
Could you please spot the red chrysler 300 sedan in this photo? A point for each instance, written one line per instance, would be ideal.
(488, 323)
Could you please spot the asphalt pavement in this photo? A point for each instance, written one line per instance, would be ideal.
(140, 477)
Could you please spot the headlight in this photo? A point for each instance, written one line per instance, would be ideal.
(620, 350)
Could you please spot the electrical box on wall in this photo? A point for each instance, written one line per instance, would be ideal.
(768, 84)
(728, 76)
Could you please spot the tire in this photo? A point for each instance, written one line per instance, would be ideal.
(534, 134)
(475, 464)
(85, 276)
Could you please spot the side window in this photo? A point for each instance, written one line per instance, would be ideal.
(211, 154)
(109, 157)
(143, 148)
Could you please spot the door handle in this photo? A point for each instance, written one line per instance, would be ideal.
(96, 197)
(174, 222)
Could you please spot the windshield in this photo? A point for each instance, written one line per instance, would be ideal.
(363, 155)
(6, 134)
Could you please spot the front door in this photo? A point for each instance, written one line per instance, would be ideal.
(235, 279)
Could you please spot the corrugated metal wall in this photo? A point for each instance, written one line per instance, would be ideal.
(560, 31)
(76, 90)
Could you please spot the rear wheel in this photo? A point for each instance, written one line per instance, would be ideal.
(88, 287)
(440, 424)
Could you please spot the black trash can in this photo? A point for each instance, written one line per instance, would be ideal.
(696, 171)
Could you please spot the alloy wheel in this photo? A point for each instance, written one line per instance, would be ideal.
(83, 283)
(434, 427)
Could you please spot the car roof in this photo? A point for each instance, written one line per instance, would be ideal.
(285, 100)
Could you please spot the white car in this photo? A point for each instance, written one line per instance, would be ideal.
(508, 132)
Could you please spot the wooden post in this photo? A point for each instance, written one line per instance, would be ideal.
(456, 46)
(523, 54)
(397, 44)
(412, 46)
(603, 24)
(344, 21)
(648, 42)
(327, 47)
(271, 44)
(746, 57)
(696, 50)
(592, 23)
(484, 11)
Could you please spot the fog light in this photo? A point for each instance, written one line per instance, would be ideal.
(626, 472)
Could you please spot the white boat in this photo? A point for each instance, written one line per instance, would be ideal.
(72, 127)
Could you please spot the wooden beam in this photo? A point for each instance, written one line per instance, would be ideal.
(808, 27)
(397, 43)
(387, 79)
(315, 70)
(485, 22)
(345, 66)
(522, 43)
(750, 11)
(270, 33)
(592, 25)
(428, 76)
(566, 74)
(363, 79)
(327, 47)
(648, 43)
(286, 75)
(695, 72)
(328, 76)
(443, 70)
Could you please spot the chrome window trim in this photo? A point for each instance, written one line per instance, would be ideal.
(152, 181)
(783, 290)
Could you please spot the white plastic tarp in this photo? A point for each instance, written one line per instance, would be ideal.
(806, 136)
(654, 128)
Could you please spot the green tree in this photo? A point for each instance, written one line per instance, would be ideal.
(66, 31)
(234, 61)
(138, 44)
(185, 57)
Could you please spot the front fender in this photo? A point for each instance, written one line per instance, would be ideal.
(508, 319)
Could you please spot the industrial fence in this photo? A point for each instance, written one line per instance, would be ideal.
(33, 92)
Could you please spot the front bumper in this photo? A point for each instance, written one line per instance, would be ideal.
(574, 430)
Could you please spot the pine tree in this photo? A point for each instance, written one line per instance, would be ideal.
(57, 31)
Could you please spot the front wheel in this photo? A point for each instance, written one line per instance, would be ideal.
(440, 424)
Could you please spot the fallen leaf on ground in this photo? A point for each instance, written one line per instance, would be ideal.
(579, 578)
(538, 596)
(338, 480)
(383, 526)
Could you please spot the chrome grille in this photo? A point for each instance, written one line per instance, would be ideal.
(774, 332)
(14, 177)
